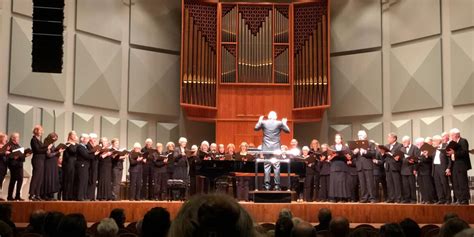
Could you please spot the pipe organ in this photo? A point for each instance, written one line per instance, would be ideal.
(241, 59)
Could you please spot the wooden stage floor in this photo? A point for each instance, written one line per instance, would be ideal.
(260, 212)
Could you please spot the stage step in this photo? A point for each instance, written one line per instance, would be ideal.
(273, 196)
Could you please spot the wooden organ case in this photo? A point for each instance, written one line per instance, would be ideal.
(240, 60)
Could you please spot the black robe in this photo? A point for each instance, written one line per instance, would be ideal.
(51, 174)
(104, 188)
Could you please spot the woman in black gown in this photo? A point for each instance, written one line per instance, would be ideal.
(51, 171)
(68, 167)
(339, 171)
(37, 161)
(104, 188)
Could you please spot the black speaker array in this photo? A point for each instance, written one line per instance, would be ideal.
(47, 53)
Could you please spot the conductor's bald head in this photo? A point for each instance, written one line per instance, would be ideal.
(272, 115)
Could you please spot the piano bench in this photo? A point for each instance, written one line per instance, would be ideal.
(176, 190)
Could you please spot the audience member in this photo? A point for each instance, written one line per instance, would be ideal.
(303, 229)
(107, 228)
(410, 228)
(156, 223)
(324, 217)
(72, 225)
(452, 227)
(51, 223)
(391, 230)
(339, 227)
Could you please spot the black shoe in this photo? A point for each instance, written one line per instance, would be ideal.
(10, 199)
(389, 201)
(19, 199)
(277, 188)
(464, 203)
(363, 201)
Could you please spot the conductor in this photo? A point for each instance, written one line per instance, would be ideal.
(271, 142)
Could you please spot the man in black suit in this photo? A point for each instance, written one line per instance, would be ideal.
(380, 178)
(461, 164)
(93, 167)
(408, 170)
(271, 142)
(82, 167)
(365, 169)
(393, 164)
(442, 166)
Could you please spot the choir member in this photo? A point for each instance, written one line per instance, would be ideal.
(160, 172)
(93, 167)
(83, 162)
(311, 181)
(230, 153)
(339, 171)
(194, 164)
(148, 189)
(294, 149)
(408, 170)
(181, 161)
(365, 169)
(136, 172)
(170, 146)
(37, 162)
(220, 155)
(51, 170)
(213, 150)
(424, 172)
(104, 187)
(243, 183)
(442, 166)
(117, 168)
(459, 154)
(392, 168)
(380, 179)
(68, 167)
(352, 178)
(325, 171)
(4, 147)
(429, 140)
(314, 147)
(15, 162)
(204, 153)
(445, 138)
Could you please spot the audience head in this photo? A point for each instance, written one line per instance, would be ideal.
(37, 219)
(118, 215)
(410, 228)
(303, 229)
(465, 233)
(285, 212)
(339, 226)
(452, 227)
(296, 220)
(283, 226)
(450, 215)
(391, 230)
(72, 225)
(107, 228)
(212, 215)
(324, 216)
(5, 230)
(156, 223)
(51, 223)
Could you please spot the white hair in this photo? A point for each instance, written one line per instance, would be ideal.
(148, 140)
(437, 137)
(107, 228)
(170, 144)
(93, 135)
(406, 138)
(420, 140)
(305, 148)
(182, 140)
(362, 133)
(272, 115)
(204, 143)
(137, 145)
(214, 144)
(84, 135)
(194, 147)
(454, 131)
(427, 139)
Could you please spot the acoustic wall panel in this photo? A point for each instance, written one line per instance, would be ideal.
(109, 127)
(154, 83)
(137, 131)
(98, 74)
(355, 24)
(411, 20)
(356, 84)
(430, 126)
(462, 67)
(156, 23)
(23, 81)
(415, 76)
(20, 119)
(82, 123)
(108, 12)
(166, 132)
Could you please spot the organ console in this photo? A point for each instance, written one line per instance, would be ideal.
(241, 59)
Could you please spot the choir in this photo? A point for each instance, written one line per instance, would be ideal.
(88, 168)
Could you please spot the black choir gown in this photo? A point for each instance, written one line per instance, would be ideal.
(68, 171)
(338, 177)
(51, 174)
(104, 189)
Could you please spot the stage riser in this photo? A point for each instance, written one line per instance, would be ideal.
(260, 212)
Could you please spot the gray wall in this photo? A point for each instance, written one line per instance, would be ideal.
(399, 65)
(120, 76)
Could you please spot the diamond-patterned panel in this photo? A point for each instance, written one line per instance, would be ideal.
(98, 74)
(20, 119)
(137, 131)
(430, 126)
(462, 67)
(415, 76)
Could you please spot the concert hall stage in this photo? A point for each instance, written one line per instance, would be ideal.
(260, 212)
